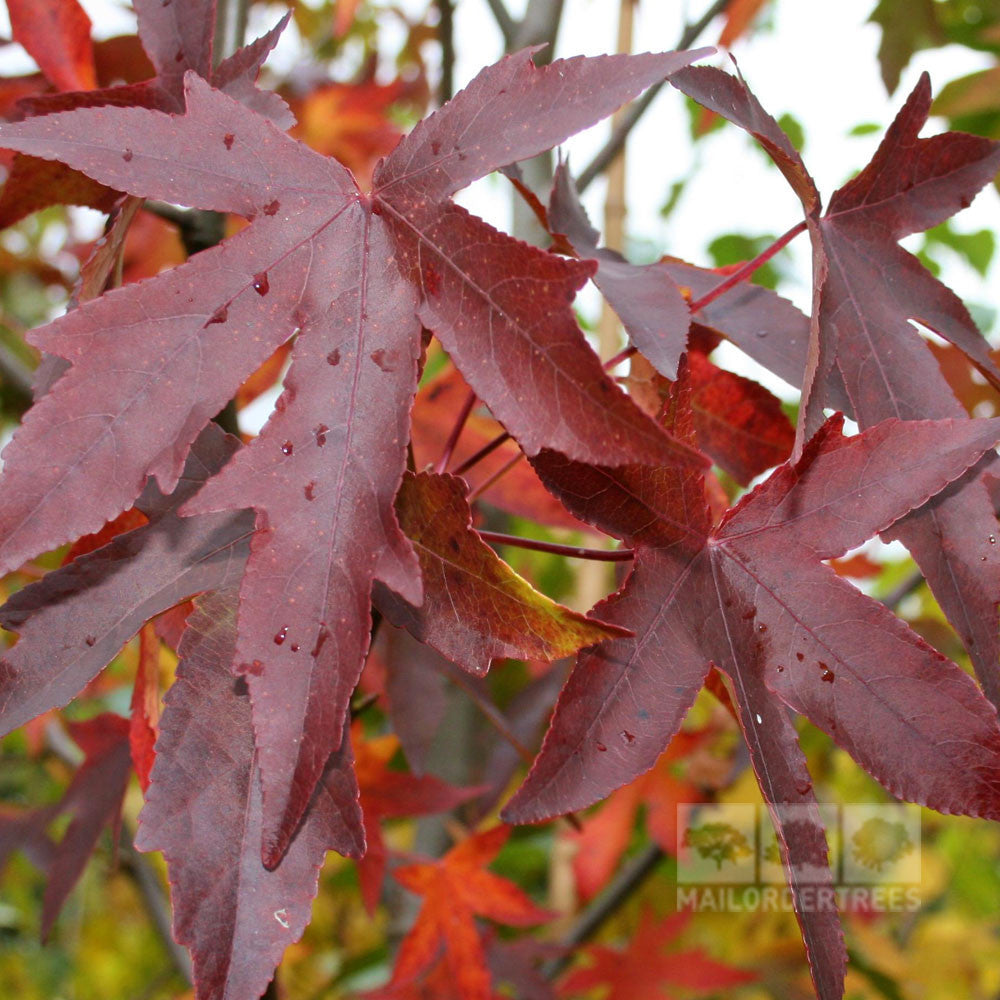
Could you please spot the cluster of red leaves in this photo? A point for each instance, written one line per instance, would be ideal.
(290, 538)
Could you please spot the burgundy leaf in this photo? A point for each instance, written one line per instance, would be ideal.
(862, 342)
(77, 618)
(512, 111)
(751, 597)
(153, 362)
(234, 915)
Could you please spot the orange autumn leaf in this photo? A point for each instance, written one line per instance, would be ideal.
(125, 521)
(858, 566)
(264, 377)
(385, 794)
(350, 122)
(740, 14)
(605, 833)
(56, 34)
(645, 969)
(455, 889)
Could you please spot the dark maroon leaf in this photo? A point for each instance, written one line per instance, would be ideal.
(416, 687)
(177, 36)
(234, 915)
(863, 343)
(76, 619)
(153, 362)
(751, 596)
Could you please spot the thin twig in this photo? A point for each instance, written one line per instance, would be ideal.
(539, 26)
(635, 111)
(230, 28)
(902, 590)
(487, 449)
(493, 715)
(623, 355)
(749, 267)
(554, 548)
(605, 906)
(456, 433)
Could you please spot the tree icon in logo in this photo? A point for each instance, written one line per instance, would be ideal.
(880, 843)
(720, 842)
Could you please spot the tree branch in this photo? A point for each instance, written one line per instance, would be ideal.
(505, 22)
(446, 36)
(605, 906)
(637, 109)
(539, 26)
(156, 902)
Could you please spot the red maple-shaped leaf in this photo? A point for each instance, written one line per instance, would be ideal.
(386, 794)
(356, 275)
(864, 348)
(204, 811)
(145, 707)
(645, 969)
(751, 596)
(455, 889)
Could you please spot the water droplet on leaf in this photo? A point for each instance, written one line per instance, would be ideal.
(287, 448)
(271, 208)
(602, 748)
(320, 432)
(219, 316)
(90, 640)
(628, 737)
(281, 636)
(310, 491)
(127, 156)
(229, 139)
(260, 283)
(333, 358)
